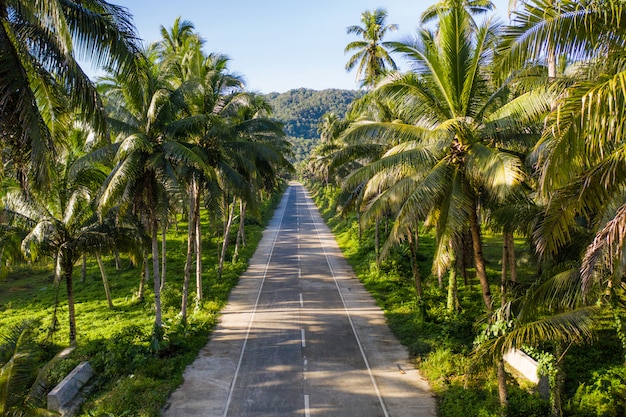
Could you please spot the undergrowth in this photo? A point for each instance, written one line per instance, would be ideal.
(133, 376)
(441, 342)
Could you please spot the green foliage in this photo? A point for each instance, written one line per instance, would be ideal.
(603, 396)
(301, 111)
(134, 395)
(301, 148)
(442, 366)
(546, 363)
(439, 340)
(132, 378)
(483, 402)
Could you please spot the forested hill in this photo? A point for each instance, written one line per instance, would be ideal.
(301, 109)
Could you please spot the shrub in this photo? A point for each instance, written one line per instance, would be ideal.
(605, 396)
(442, 365)
(457, 401)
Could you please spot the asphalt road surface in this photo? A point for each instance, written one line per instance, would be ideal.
(301, 337)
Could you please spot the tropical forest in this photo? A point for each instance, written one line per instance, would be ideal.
(477, 195)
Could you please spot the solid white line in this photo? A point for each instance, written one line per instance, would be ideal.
(256, 303)
(309, 203)
(307, 406)
(302, 337)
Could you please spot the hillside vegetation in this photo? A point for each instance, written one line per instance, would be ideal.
(301, 110)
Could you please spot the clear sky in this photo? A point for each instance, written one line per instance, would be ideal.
(277, 45)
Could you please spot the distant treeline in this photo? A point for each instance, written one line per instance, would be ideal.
(301, 109)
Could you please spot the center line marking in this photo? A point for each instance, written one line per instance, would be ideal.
(328, 254)
(307, 411)
(303, 340)
(300, 274)
(301, 301)
(280, 217)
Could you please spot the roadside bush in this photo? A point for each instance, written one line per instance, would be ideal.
(123, 352)
(123, 396)
(604, 396)
(457, 401)
(442, 366)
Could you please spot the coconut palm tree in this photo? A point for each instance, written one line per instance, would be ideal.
(553, 31)
(207, 87)
(39, 44)
(144, 177)
(371, 54)
(553, 310)
(62, 221)
(23, 386)
(230, 129)
(580, 155)
(448, 159)
(474, 7)
(251, 155)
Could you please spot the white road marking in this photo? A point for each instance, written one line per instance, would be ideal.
(300, 274)
(309, 203)
(256, 303)
(301, 301)
(302, 337)
(307, 407)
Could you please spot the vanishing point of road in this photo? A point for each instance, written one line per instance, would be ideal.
(300, 336)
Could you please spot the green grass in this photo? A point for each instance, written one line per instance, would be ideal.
(134, 377)
(440, 341)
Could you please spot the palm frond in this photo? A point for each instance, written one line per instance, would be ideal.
(499, 172)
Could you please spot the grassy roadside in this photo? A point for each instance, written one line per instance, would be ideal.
(439, 341)
(132, 376)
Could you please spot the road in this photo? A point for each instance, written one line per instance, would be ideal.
(301, 337)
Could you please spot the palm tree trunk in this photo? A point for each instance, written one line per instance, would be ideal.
(157, 277)
(241, 232)
(198, 249)
(465, 256)
(229, 222)
(453, 293)
(68, 267)
(502, 390)
(116, 253)
(145, 273)
(163, 251)
(105, 280)
(83, 268)
(558, 384)
(511, 257)
(505, 267)
(453, 298)
(479, 259)
(413, 240)
(191, 241)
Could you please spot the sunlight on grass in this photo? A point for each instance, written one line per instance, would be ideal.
(130, 376)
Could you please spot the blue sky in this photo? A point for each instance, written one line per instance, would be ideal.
(277, 45)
